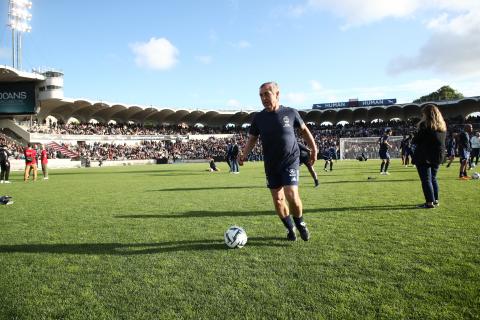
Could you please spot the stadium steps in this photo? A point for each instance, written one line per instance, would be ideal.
(57, 147)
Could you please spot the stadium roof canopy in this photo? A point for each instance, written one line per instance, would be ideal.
(85, 110)
(9, 74)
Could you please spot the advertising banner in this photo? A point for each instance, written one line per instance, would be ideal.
(355, 103)
(17, 98)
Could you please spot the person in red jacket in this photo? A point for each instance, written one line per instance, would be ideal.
(30, 163)
(44, 162)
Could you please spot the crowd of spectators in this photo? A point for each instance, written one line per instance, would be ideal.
(326, 137)
(74, 128)
(171, 151)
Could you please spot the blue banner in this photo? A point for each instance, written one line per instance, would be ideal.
(355, 103)
(17, 98)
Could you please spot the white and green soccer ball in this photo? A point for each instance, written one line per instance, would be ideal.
(235, 237)
(476, 176)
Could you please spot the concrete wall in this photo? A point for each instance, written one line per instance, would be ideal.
(19, 165)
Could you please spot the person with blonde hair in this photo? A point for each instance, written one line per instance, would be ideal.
(429, 152)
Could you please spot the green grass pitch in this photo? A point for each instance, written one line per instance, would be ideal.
(146, 242)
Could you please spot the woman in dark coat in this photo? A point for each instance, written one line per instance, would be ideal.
(429, 152)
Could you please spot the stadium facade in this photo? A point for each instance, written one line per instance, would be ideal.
(51, 102)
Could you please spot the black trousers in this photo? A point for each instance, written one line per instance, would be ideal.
(5, 170)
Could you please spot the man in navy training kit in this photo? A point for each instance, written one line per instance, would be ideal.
(275, 125)
(234, 158)
(383, 152)
(328, 155)
(464, 148)
(305, 159)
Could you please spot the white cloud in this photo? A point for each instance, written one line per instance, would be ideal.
(204, 59)
(157, 54)
(356, 13)
(454, 43)
(316, 86)
(443, 53)
(461, 25)
(296, 98)
(233, 103)
(453, 48)
(242, 44)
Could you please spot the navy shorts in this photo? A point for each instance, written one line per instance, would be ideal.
(384, 155)
(451, 153)
(304, 158)
(285, 177)
(463, 154)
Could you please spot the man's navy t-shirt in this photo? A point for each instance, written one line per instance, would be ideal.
(277, 133)
(464, 142)
(383, 143)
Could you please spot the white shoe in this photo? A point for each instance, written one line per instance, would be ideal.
(386, 173)
(46, 178)
(6, 181)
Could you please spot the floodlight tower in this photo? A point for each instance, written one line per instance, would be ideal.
(19, 23)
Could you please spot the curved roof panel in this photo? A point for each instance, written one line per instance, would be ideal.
(85, 110)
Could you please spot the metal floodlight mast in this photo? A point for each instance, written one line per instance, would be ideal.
(19, 23)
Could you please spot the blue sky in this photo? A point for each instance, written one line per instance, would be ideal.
(214, 54)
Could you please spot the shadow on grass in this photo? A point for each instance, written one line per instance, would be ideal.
(207, 188)
(214, 214)
(125, 249)
(100, 171)
(371, 180)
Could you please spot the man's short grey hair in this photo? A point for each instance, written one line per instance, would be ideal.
(272, 83)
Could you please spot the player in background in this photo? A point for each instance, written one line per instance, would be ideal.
(4, 164)
(212, 166)
(275, 125)
(228, 155)
(305, 159)
(451, 147)
(383, 151)
(327, 155)
(44, 162)
(30, 163)
(406, 149)
(464, 148)
(234, 158)
(475, 154)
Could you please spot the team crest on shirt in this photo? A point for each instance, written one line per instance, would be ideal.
(286, 122)
(293, 174)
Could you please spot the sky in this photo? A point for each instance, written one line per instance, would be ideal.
(214, 54)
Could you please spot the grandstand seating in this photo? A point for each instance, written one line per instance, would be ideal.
(126, 142)
(62, 150)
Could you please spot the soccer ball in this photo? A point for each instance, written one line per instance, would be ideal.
(476, 175)
(235, 237)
